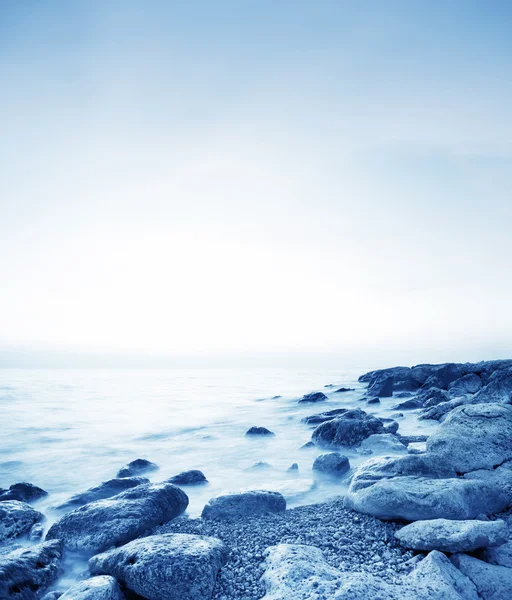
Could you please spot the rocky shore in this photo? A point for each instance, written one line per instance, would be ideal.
(423, 517)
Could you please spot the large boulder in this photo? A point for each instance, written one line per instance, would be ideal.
(348, 429)
(136, 467)
(102, 587)
(333, 464)
(175, 566)
(313, 397)
(498, 388)
(491, 581)
(23, 492)
(17, 518)
(107, 489)
(115, 521)
(26, 572)
(244, 504)
(452, 536)
(474, 437)
(381, 387)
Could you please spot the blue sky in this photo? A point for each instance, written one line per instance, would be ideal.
(220, 178)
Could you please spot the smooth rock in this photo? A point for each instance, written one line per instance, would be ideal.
(452, 536)
(332, 463)
(115, 521)
(107, 489)
(314, 397)
(348, 429)
(165, 567)
(243, 504)
(491, 581)
(17, 518)
(23, 492)
(26, 572)
(192, 477)
(136, 467)
(373, 401)
(259, 431)
(102, 587)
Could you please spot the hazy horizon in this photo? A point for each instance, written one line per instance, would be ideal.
(235, 181)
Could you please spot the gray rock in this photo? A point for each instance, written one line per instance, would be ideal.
(452, 536)
(165, 567)
(26, 572)
(468, 384)
(107, 489)
(23, 492)
(437, 412)
(259, 431)
(381, 387)
(500, 477)
(294, 468)
(314, 397)
(99, 525)
(192, 477)
(344, 389)
(17, 518)
(36, 532)
(249, 503)
(373, 401)
(410, 404)
(382, 443)
(102, 587)
(499, 555)
(492, 582)
(307, 446)
(474, 437)
(332, 463)
(323, 417)
(348, 429)
(136, 467)
(498, 388)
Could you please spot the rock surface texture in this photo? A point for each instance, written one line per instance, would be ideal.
(102, 587)
(17, 518)
(243, 504)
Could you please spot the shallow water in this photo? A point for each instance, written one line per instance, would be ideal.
(68, 430)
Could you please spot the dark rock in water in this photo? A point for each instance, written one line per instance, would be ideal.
(397, 415)
(261, 465)
(323, 417)
(491, 582)
(402, 395)
(443, 375)
(120, 519)
(259, 431)
(348, 429)
(344, 389)
(136, 467)
(26, 572)
(412, 439)
(329, 385)
(17, 518)
(437, 412)
(313, 397)
(293, 468)
(391, 428)
(307, 445)
(24, 492)
(381, 387)
(107, 489)
(244, 504)
(275, 397)
(468, 384)
(373, 401)
(102, 587)
(171, 566)
(432, 397)
(408, 404)
(474, 437)
(192, 477)
(332, 463)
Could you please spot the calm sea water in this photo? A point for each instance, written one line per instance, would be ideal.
(67, 430)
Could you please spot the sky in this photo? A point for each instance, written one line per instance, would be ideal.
(292, 180)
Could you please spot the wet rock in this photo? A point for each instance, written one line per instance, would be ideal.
(293, 468)
(259, 431)
(348, 429)
(291, 490)
(491, 581)
(474, 437)
(468, 384)
(437, 412)
(192, 477)
(104, 523)
(382, 443)
(501, 477)
(332, 463)
(412, 439)
(324, 416)
(247, 503)
(373, 401)
(23, 492)
(314, 397)
(261, 465)
(17, 518)
(410, 404)
(341, 390)
(452, 536)
(432, 397)
(102, 587)
(26, 572)
(54, 595)
(107, 489)
(390, 427)
(498, 388)
(499, 555)
(381, 387)
(307, 446)
(136, 467)
(36, 532)
(165, 567)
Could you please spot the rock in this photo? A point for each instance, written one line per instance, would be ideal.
(102, 587)
(437, 412)
(175, 566)
(23, 492)
(390, 427)
(104, 523)
(323, 417)
(474, 437)
(259, 431)
(432, 397)
(344, 389)
(348, 429)
(293, 468)
(410, 404)
(307, 446)
(499, 555)
(136, 467)
(17, 518)
(382, 443)
(412, 439)
(373, 401)
(192, 477)
(492, 582)
(107, 489)
(261, 465)
(381, 387)
(291, 490)
(500, 477)
(468, 384)
(452, 536)
(332, 463)
(26, 572)
(314, 397)
(256, 502)
(417, 448)
(498, 388)
(55, 595)
(36, 532)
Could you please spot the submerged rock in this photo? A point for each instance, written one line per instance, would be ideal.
(348, 429)
(452, 536)
(492, 582)
(259, 431)
(341, 390)
(192, 477)
(23, 492)
(17, 518)
(136, 467)
(410, 404)
(249, 503)
(104, 523)
(26, 572)
(107, 489)
(102, 587)
(175, 566)
(332, 463)
(314, 397)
